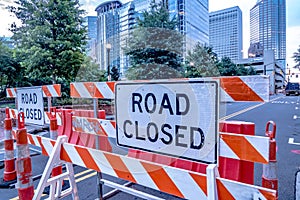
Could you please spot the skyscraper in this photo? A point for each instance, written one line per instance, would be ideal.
(91, 23)
(193, 20)
(226, 33)
(268, 26)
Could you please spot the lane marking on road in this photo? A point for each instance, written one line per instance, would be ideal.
(247, 109)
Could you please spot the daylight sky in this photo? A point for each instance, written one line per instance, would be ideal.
(293, 20)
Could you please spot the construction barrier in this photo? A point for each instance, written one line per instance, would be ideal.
(245, 88)
(48, 91)
(270, 176)
(242, 88)
(9, 159)
(166, 174)
(23, 162)
(81, 137)
(234, 169)
(174, 181)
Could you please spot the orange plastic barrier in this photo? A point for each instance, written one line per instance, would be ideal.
(82, 138)
(242, 171)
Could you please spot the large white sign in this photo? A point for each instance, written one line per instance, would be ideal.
(173, 118)
(30, 101)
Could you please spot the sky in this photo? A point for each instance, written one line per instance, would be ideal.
(293, 20)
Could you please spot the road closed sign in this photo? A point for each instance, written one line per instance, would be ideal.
(30, 101)
(173, 118)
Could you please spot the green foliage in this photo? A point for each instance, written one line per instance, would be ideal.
(50, 40)
(201, 62)
(115, 75)
(155, 47)
(296, 57)
(228, 68)
(11, 72)
(90, 72)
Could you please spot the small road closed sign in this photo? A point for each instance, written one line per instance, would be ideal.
(30, 101)
(173, 118)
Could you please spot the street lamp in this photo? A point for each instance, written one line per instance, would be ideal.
(108, 47)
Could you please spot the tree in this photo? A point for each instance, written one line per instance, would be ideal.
(201, 62)
(11, 72)
(296, 57)
(89, 71)
(115, 75)
(155, 47)
(51, 39)
(228, 68)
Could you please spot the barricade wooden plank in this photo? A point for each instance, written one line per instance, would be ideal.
(48, 91)
(14, 113)
(178, 182)
(103, 90)
(236, 146)
(237, 88)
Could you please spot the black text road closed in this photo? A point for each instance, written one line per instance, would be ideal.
(30, 101)
(172, 118)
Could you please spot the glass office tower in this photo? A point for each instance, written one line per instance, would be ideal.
(193, 20)
(226, 33)
(268, 26)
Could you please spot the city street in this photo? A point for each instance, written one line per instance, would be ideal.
(281, 109)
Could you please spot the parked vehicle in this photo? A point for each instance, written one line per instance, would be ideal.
(292, 88)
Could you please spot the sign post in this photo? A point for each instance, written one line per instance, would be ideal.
(31, 102)
(172, 118)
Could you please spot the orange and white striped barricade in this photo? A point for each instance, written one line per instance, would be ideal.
(23, 162)
(14, 114)
(237, 88)
(270, 175)
(10, 175)
(49, 91)
(178, 182)
(233, 169)
(245, 88)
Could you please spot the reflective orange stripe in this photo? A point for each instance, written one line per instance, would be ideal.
(238, 90)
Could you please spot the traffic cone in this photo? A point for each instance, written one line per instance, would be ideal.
(10, 175)
(23, 162)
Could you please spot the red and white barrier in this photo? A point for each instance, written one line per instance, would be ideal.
(9, 161)
(48, 91)
(236, 146)
(270, 176)
(178, 182)
(236, 88)
(23, 162)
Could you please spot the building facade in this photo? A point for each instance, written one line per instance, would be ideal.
(91, 24)
(193, 21)
(269, 66)
(226, 33)
(107, 43)
(268, 26)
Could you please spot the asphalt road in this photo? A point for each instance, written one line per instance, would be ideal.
(283, 110)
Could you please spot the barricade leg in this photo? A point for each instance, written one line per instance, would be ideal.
(10, 175)
(23, 162)
(56, 191)
(53, 135)
(211, 173)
